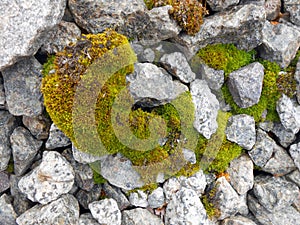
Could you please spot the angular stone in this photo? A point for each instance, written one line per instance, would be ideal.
(2, 93)
(297, 78)
(22, 83)
(189, 155)
(171, 186)
(7, 212)
(138, 199)
(24, 149)
(196, 182)
(241, 130)
(285, 137)
(83, 157)
(62, 35)
(7, 124)
(272, 9)
(177, 65)
(57, 138)
(106, 212)
(293, 7)
(87, 219)
(117, 194)
(139, 216)
(4, 181)
(52, 178)
(64, 210)
(24, 27)
(157, 198)
(237, 220)
(241, 174)
(86, 197)
(214, 78)
(206, 108)
(294, 177)
(245, 84)
(280, 43)
(220, 5)
(38, 126)
(185, 208)
(295, 154)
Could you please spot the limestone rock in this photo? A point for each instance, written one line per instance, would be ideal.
(117, 194)
(219, 5)
(214, 78)
(87, 218)
(295, 154)
(139, 216)
(38, 126)
(156, 199)
(293, 7)
(7, 212)
(57, 138)
(138, 199)
(272, 9)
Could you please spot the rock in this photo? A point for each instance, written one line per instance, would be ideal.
(189, 155)
(272, 8)
(294, 177)
(242, 25)
(285, 137)
(87, 218)
(24, 149)
(157, 198)
(177, 65)
(241, 174)
(219, 5)
(38, 126)
(7, 124)
(57, 138)
(206, 108)
(52, 178)
(4, 181)
(241, 130)
(138, 199)
(295, 154)
(64, 210)
(62, 35)
(245, 84)
(106, 212)
(144, 54)
(293, 7)
(83, 157)
(22, 83)
(171, 186)
(139, 216)
(297, 78)
(279, 43)
(196, 182)
(150, 82)
(242, 206)
(185, 208)
(214, 78)
(117, 194)
(237, 220)
(24, 27)
(86, 197)
(2, 93)
(289, 114)
(7, 212)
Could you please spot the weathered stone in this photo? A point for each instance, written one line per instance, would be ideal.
(285, 137)
(7, 212)
(171, 186)
(2, 93)
(206, 108)
(150, 82)
(294, 177)
(62, 211)
(196, 182)
(241, 130)
(237, 220)
(272, 9)
(176, 64)
(245, 84)
(185, 208)
(295, 154)
(156, 199)
(144, 54)
(61, 36)
(22, 83)
(57, 138)
(7, 124)
(117, 194)
(52, 178)
(241, 25)
(242, 206)
(297, 78)
(106, 212)
(214, 78)
(219, 5)
(139, 216)
(86, 197)
(83, 157)
(24, 149)
(189, 155)
(241, 174)
(293, 7)
(25, 25)
(138, 199)
(87, 219)
(279, 43)
(4, 181)
(38, 126)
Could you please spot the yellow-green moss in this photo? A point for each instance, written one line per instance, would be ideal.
(98, 179)
(49, 65)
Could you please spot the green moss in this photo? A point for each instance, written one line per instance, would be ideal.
(10, 167)
(49, 65)
(98, 179)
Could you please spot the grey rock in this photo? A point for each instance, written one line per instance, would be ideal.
(7, 212)
(279, 43)
(196, 182)
(57, 138)
(266, 126)
(117, 194)
(219, 5)
(62, 35)
(206, 108)
(294, 177)
(189, 155)
(139, 216)
(297, 78)
(242, 206)
(87, 218)
(150, 82)
(242, 25)
(293, 7)
(7, 124)
(62, 211)
(245, 84)
(295, 154)
(214, 78)
(139, 199)
(157, 198)
(24, 27)
(106, 212)
(83, 157)
(24, 149)
(52, 178)
(176, 64)
(186, 208)
(22, 83)
(272, 9)
(241, 174)
(86, 197)
(289, 113)
(144, 54)
(241, 130)
(285, 137)
(274, 193)
(2, 93)
(4, 181)
(237, 220)
(171, 186)
(38, 126)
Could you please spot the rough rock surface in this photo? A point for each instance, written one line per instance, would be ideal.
(238, 220)
(2, 93)
(4, 181)
(219, 5)
(297, 78)
(57, 138)
(64, 210)
(24, 27)
(245, 84)
(214, 78)
(38, 126)
(52, 178)
(22, 83)
(285, 137)
(139, 216)
(157, 198)
(86, 197)
(293, 7)
(83, 157)
(139, 199)
(87, 218)
(295, 154)
(171, 186)
(7, 212)
(206, 108)
(196, 182)
(24, 148)
(272, 9)
(117, 194)
(241, 130)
